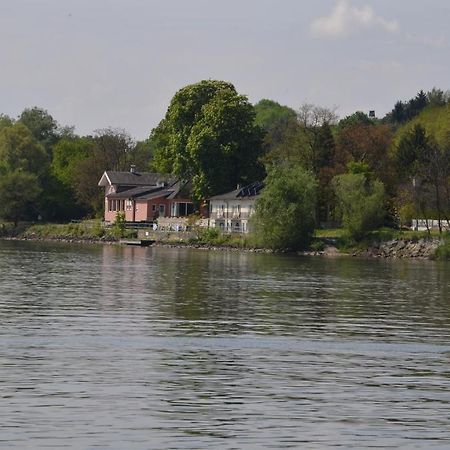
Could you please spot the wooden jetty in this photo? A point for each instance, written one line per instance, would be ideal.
(137, 242)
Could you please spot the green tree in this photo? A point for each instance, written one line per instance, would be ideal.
(108, 149)
(357, 118)
(5, 121)
(411, 152)
(360, 199)
(209, 136)
(113, 147)
(67, 153)
(285, 210)
(20, 151)
(18, 194)
(42, 126)
(275, 120)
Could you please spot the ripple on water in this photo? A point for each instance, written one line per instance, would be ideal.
(107, 347)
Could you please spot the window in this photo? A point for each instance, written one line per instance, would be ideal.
(153, 207)
(162, 210)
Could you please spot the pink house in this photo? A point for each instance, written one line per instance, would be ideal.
(143, 197)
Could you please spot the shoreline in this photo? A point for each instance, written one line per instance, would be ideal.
(423, 249)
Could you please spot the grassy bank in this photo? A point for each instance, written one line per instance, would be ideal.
(88, 230)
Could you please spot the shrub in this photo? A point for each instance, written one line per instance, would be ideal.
(285, 210)
(361, 202)
(443, 251)
(118, 228)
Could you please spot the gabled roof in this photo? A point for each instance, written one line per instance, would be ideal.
(134, 178)
(250, 191)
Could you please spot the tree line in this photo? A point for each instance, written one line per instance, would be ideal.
(318, 170)
(50, 173)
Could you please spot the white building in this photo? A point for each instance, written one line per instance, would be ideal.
(428, 224)
(230, 212)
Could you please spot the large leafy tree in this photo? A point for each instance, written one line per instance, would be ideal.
(276, 120)
(209, 136)
(18, 194)
(41, 125)
(20, 151)
(285, 210)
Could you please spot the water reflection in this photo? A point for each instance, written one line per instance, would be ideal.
(111, 347)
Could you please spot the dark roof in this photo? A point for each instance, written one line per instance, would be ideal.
(181, 189)
(249, 191)
(134, 178)
(136, 191)
(177, 189)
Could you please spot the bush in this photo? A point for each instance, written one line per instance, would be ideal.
(118, 228)
(361, 202)
(317, 246)
(285, 210)
(443, 251)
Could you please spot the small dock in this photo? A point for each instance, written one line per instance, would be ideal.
(137, 242)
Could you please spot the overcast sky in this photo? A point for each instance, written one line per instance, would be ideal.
(100, 63)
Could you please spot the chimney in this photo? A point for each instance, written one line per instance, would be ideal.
(132, 168)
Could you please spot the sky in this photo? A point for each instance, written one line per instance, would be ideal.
(94, 64)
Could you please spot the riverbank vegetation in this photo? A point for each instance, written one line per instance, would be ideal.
(362, 172)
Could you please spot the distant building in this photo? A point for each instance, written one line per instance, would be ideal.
(143, 197)
(428, 224)
(231, 211)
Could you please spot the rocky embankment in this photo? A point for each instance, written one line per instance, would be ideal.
(402, 248)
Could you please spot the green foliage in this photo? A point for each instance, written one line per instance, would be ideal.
(18, 193)
(119, 227)
(285, 210)
(20, 151)
(85, 230)
(405, 111)
(443, 251)
(41, 125)
(213, 237)
(361, 202)
(67, 153)
(357, 118)
(317, 246)
(435, 120)
(271, 116)
(5, 121)
(208, 136)
(411, 150)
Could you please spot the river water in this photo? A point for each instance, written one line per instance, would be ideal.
(105, 347)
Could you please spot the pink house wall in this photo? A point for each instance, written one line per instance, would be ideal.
(143, 209)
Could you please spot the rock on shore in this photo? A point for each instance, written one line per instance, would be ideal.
(402, 248)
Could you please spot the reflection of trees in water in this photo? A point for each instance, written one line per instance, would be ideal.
(389, 294)
(204, 286)
(230, 292)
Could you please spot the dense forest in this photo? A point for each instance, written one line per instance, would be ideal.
(375, 171)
